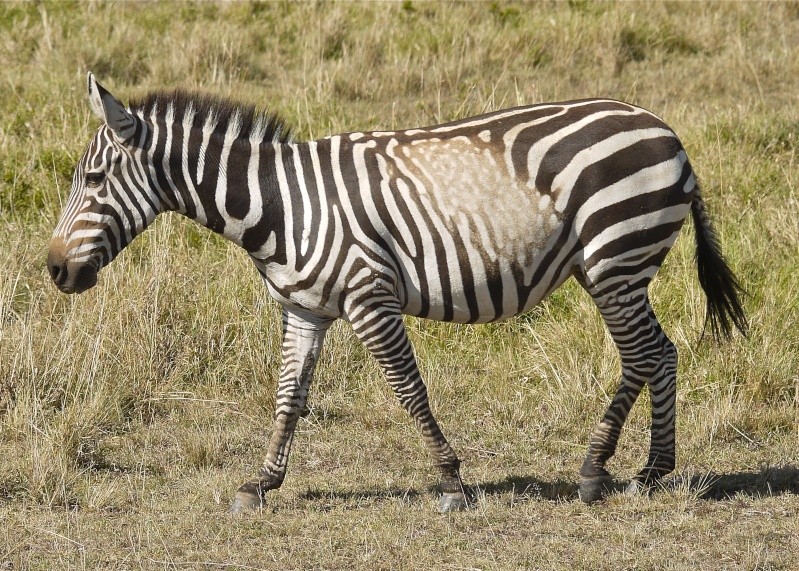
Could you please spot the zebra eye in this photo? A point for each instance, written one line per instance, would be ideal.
(94, 179)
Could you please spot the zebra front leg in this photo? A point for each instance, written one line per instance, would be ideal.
(647, 357)
(302, 341)
(385, 337)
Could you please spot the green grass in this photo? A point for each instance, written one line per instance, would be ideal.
(130, 414)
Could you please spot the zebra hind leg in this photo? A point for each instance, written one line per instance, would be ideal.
(662, 385)
(647, 357)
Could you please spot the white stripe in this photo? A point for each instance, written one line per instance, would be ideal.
(634, 224)
(233, 230)
(306, 202)
(428, 254)
(564, 181)
(201, 216)
(645, 181)
(628, 258)
(393, 209)
(256, 208)
(493, 119)
(345, 200)
(485, 307)
(536, 152)
(324, 221)
(208, 129)
(427, 198)
(288, 215)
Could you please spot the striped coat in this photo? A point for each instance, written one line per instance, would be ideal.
(471, 221)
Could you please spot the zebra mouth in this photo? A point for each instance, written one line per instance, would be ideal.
(86, 278)
(73, 278)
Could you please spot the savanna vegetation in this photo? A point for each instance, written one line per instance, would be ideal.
(130, 414)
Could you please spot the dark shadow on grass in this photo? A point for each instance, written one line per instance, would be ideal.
(523, 489)
(325, 500)
(763, 483)
(529, 489)
(361, 496)
(766, 482)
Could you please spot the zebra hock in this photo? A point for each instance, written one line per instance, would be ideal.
(471, 221)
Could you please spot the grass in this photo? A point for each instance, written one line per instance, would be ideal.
(129, 415)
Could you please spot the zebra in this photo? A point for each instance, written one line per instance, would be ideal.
(470, 221)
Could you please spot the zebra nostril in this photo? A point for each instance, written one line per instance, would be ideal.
(58, 272)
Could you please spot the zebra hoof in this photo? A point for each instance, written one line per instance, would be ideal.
(245, 502)
(594, 489)
(634, 489)
(638, 488)
(452, 502)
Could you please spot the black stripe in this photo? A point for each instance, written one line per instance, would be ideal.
(237, 200)
(560, 154)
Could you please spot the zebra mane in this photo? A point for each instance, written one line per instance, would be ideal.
(217, 111)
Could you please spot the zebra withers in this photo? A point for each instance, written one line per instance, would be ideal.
(471, 221)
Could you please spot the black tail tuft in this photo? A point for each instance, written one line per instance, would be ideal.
(716, 278)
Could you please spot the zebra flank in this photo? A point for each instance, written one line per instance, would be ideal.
(471, 221)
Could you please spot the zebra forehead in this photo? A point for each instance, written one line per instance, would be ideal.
(100, 147)
(202, 109)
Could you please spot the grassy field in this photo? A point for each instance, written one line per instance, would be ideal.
(129, 415)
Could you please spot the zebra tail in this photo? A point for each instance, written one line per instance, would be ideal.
(716, 278)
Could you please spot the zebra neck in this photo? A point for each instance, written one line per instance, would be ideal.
(228, 185)
(302, 249)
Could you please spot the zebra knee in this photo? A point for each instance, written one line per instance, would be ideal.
(663, 380)
(657, 365)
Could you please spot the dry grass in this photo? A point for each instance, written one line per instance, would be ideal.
(129, 415)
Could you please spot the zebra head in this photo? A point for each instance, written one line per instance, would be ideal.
(111, 201)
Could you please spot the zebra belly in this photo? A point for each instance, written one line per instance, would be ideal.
(473, 242)
(475, 279)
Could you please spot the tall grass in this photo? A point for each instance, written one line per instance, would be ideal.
(147, 400)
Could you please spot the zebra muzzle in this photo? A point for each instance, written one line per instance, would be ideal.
(71, 277)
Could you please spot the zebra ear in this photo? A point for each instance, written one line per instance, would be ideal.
(110, 110)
